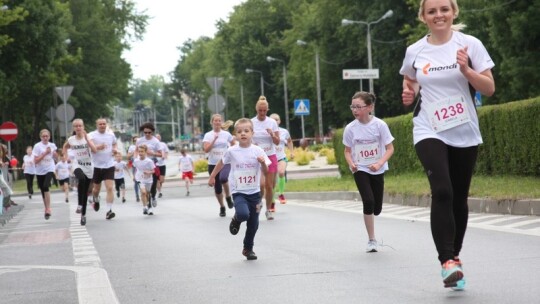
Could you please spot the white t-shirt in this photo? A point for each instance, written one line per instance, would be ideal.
(367, 143)
(63, 169)
(164, 150)
(185, 163)
(82, 157)
(447, 99)
(261, 137)
(153, 145)
(245, 175)
(29, 166)
(142, 165)
(283, 140)
(219, 147)
(103, 159)
(119, 167)
(46, 165)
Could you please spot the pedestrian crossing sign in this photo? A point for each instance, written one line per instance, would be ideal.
(301, 107)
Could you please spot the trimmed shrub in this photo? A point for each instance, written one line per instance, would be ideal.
(201, 165)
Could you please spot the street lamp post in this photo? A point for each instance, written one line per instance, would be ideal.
(262, 78)
(285, 97)
(318, 82)
(345, 22)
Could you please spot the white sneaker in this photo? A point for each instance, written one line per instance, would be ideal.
(269, 215)
(154, 203)
(372, 246)
(150, 211)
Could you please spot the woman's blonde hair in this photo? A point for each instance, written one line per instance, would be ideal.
(226, 125)
(453, 3)
(275, 116)
(214, 116)
(262, 101)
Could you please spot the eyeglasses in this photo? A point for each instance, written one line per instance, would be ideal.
(357, 107)
(147, 132)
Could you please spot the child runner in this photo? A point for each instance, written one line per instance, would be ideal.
(62, 171)
(144, 176)
(185, 165)
(130, 157)
(368, 147)
(248, 162)
(29, 170)
(284, 140)
(119, 167)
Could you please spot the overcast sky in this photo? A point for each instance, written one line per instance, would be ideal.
(171, 23)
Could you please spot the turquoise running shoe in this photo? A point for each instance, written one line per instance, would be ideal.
(451, 273)
(460, 285)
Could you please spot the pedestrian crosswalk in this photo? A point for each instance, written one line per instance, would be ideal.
(528, 225)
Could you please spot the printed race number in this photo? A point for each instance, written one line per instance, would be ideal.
(447, 113)
(366, 154)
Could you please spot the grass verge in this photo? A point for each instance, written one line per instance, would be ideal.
(494, 187)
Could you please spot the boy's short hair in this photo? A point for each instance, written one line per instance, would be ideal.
(244, 121)
(144, 147)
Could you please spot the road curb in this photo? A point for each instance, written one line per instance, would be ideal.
(480, 205)
(10, 213)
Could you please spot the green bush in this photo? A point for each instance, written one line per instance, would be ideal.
(201, 165)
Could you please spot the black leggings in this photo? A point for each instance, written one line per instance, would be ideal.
(371, 188)
(449, 171)
(44, 182)
(218, 187)
(29, 183)
(83, 184)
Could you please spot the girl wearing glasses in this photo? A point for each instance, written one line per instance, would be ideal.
(368, 147)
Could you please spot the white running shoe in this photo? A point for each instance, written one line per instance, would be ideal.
(372, 246)
(269, 215)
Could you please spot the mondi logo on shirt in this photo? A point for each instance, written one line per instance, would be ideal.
(428, 69)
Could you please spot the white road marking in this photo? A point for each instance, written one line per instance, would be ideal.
(476, 220)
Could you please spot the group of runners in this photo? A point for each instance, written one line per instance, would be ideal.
(90, 159)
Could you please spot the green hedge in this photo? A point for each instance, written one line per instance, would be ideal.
(511, 134)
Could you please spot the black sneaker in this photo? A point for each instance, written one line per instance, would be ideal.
(83, 220)
(96, 206)
(138, 200)
(160, 195)
(47, 215)
(222, 212)
(249, 254)
(110, 215)
(67, 200)
(118, 194)
(234, 226)
(123, 199)
(230, 202)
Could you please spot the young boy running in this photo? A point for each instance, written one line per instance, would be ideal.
(145, 170)
(248, 162)
(185, 165)
(62, 171)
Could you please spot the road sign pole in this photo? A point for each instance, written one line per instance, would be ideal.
(64, 98)
(303, 130)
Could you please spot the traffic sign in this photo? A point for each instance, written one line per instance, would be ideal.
(301, 107)
(361, 74)
(216, 103)
(8, 131)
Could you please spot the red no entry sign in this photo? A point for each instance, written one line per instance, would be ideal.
(8, 131)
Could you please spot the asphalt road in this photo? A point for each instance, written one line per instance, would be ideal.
(313, 252)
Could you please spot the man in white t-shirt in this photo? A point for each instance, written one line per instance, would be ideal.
(103, 159)
(161, 164)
